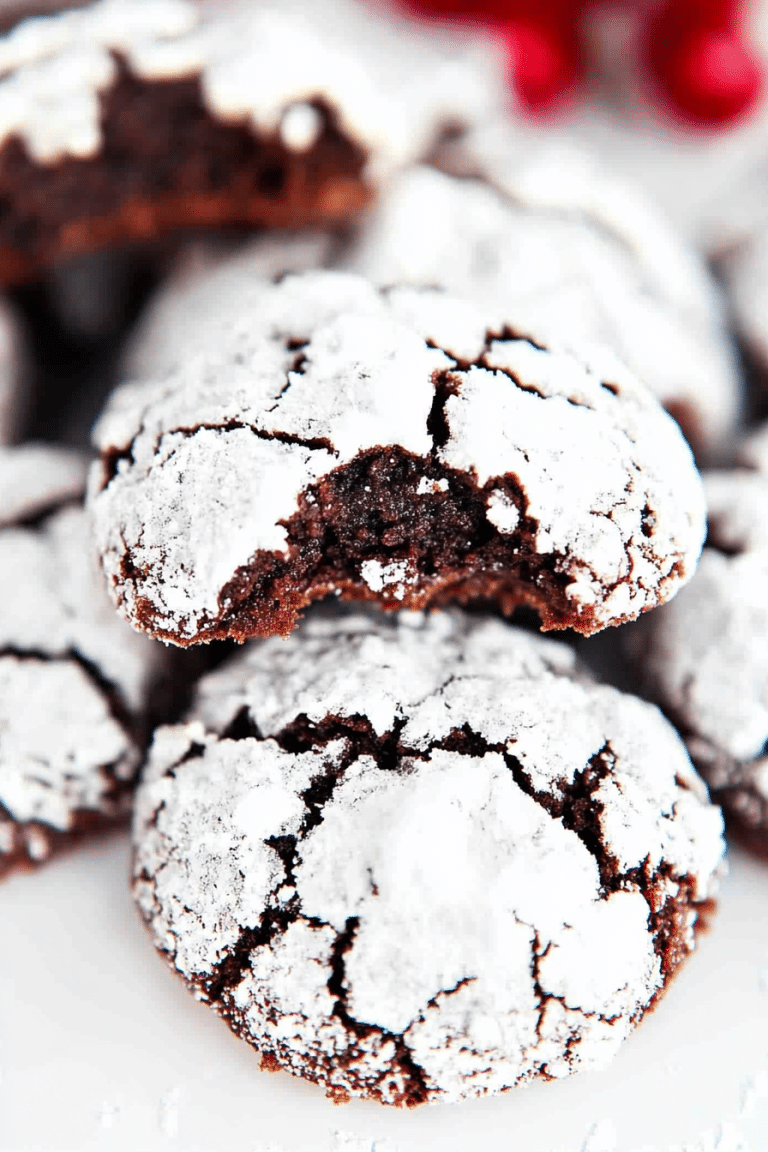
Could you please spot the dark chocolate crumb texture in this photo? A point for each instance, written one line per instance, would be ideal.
(321, 436)
(75, 682)
(125, 119)
(422, 859)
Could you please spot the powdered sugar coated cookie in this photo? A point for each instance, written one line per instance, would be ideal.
(400, 446)
(75, 681)
(424, 860)
(703, 658)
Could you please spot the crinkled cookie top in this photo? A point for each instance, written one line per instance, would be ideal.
(422, 860)
(278, 387)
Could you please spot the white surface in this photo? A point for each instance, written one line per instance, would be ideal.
(102, 1049)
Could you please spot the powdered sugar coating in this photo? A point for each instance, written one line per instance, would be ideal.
(564, 270)
(207, 266)
(202, 468)
(75, 679)
(392, 85)
(35, 477)
(703, 657)
(288, 887)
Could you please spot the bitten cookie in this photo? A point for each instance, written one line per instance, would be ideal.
(124, 119)
(422, 860)
(703, 658)
(75, 682)
(320, 435)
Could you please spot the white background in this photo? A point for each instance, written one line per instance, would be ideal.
(102, 1048)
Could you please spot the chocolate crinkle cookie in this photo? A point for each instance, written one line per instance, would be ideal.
(75, 682)
(703, 658)
(422, 860)
(582, 267)
(174, 113)
(323, 436)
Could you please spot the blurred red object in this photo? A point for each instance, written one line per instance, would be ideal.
(693, 51)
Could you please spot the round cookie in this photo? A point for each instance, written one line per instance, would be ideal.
(544, 226)
(125, 119)
(321, 435)
(703, 657)
(422, 860)
(75, 682)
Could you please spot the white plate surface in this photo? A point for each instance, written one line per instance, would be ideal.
(102, 1049)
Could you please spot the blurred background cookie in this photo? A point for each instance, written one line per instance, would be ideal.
(79, 688)
(703, 656)
(123, 120)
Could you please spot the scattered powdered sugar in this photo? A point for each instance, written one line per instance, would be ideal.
(391, 85)
(563, 271)
(407, 916)
(281, 384)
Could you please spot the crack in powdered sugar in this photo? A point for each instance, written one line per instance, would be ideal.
(221, 484)
(363, 787)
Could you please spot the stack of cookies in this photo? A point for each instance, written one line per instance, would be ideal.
(406, 848)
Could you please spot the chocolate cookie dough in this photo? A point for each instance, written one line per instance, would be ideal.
(75, 682)
(546, 234)
(320, 436)
(703, 658)
(124, 119)
(422, 860)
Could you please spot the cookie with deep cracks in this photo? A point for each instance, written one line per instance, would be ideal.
(420, 859)
(123, 119)
(76, 683)
(321, 435)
